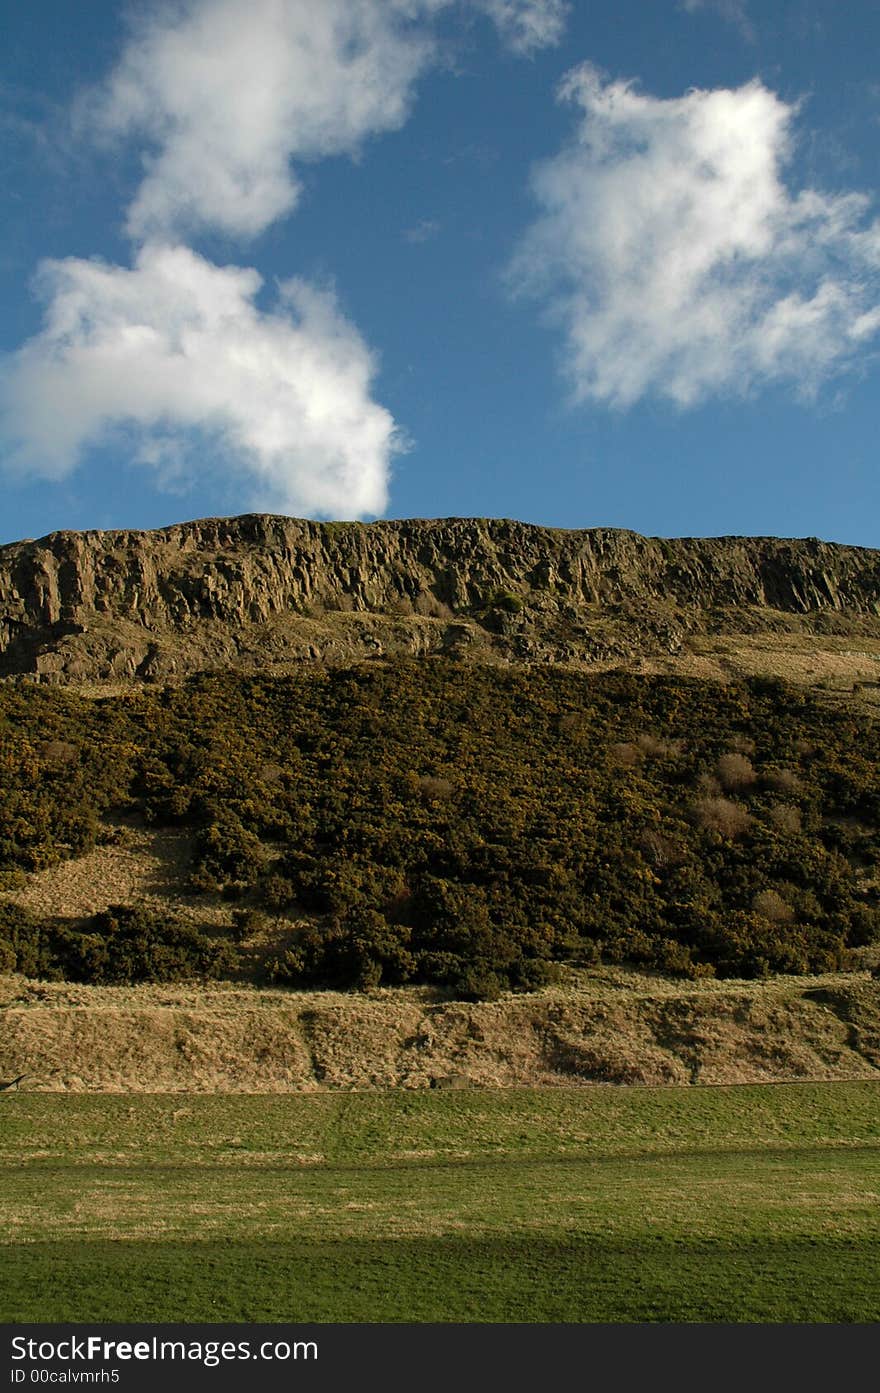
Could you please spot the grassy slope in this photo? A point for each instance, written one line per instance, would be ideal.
(601, 1025)
(589, 1205)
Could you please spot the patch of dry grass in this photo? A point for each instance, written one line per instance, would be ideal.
(600, 1027)
(145, 866)
(805, 659)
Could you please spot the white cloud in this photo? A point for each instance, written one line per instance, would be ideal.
(223, 99)
(176, 352)
(226, 96)
(423, 231)
(677, 260)
(527, 25)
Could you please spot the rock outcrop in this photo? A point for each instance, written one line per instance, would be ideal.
(264, 591)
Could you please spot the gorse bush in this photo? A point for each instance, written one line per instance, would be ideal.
(122, 945)
(26, 944)
(128, 943)
(424, 821)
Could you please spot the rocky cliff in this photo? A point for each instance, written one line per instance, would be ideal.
(263, 591)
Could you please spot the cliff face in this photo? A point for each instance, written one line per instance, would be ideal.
(259, 590)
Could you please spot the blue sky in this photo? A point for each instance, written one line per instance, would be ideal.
(605, 264)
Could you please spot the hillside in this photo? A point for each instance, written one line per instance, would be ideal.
(456, 762)
(432, 822)
(270, 592)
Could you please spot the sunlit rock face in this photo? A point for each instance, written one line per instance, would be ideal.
(262, 591)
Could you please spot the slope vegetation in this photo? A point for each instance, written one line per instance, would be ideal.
(431, 822)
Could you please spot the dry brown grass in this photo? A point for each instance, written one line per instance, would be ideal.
(802, 658)
(720, 815)
(147, 866)
(602, 1026)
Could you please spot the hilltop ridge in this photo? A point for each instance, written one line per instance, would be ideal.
(266, 591)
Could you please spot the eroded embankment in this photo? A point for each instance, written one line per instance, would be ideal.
(606, 1028)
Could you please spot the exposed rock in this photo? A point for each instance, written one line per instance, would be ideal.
(258, 591)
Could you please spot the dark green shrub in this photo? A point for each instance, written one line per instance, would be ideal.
(477, 981)
(358, 950)
(246, 922)
(26, 944)
(506, 601)
(129, 943)
(228, 854)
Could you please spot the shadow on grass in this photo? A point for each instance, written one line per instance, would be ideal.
(448, 1279)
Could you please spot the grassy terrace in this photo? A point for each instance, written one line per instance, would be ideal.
(715, 1204)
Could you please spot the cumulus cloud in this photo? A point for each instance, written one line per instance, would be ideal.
(678, 261)
(176, 352)
(225, 100)
(228, 98)
(226, 95)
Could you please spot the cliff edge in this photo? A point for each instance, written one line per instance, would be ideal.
(265, 591)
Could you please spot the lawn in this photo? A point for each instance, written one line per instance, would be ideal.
(602, 1204)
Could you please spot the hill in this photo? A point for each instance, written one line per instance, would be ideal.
(459, 758)
(266, 593)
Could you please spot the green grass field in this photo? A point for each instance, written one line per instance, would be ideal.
(718, 1204)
